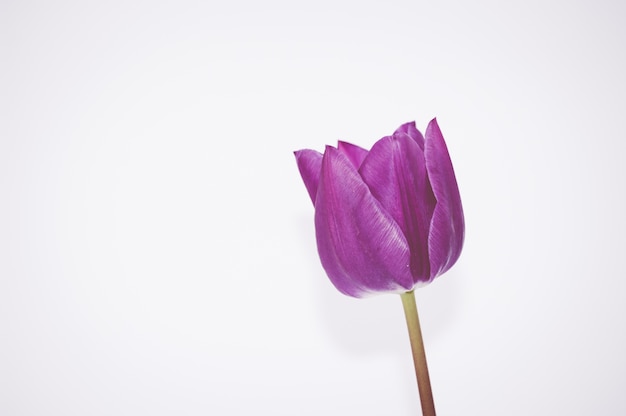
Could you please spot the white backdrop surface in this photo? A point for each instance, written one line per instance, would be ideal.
(157, 250)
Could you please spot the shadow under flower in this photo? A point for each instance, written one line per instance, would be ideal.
(376, 325)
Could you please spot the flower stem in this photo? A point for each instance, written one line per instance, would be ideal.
(419, 355)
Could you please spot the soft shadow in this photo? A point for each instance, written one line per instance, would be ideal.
(377, 324)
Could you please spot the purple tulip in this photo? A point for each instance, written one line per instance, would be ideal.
(386, 220)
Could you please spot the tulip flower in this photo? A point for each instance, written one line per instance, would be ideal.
(387, 220)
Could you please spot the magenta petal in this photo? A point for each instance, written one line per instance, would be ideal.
(395, 172)
(447, 229)
(361, 247)
(310, 164)
(354, 153)
(411, 130)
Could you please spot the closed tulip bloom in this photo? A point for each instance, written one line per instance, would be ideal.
(389, 219)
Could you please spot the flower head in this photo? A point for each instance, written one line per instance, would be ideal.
(387, 219)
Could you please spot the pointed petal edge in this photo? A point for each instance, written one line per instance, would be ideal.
(310, 165)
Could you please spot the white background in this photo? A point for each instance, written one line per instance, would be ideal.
(157, 250)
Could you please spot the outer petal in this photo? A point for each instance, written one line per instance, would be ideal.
(447, 229)
(361, 247)
(411, 130)
(310, 164)
(395, 172)
(355, 153)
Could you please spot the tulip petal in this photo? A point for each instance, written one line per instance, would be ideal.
(395, 172)
(411, 130)
(447, 230)
(361, 247)
(310, 164)
(355, 153)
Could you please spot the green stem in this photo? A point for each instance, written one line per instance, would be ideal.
(419, 355)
